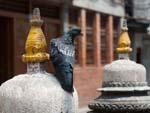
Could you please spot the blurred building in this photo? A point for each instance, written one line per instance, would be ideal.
(98, 19)
(138, 14)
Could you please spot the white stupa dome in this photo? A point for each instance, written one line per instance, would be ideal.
(36, 93)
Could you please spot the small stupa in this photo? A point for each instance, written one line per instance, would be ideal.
(124, 88)
(36, 91)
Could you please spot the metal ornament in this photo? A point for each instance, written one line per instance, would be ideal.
(36, 44)
(124, 40)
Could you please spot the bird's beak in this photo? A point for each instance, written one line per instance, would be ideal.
(81, 34)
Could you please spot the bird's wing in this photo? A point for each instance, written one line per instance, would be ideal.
(55, 54)
(54, 49)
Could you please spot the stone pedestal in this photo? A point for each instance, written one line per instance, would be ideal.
(124, 88)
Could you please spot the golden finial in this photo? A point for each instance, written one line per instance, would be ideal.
(124, 40)
(35, 47)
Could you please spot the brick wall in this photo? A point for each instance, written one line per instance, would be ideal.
(87, 80)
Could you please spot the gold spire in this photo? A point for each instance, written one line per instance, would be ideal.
(35, 47)
(124, 40)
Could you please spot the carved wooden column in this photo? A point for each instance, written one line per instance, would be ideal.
(110, 39)
(97, 39)
(82, 40)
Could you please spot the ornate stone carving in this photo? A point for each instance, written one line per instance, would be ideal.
(123, 84)
(119, 107)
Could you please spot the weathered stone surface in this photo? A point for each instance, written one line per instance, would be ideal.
(124, 89)
(36, 93)
(120, 108)
(125, 71)
(121, 104)
(124, 102)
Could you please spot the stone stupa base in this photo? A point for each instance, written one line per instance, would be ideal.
(121, 104)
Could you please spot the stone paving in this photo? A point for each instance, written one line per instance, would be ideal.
(84, 109)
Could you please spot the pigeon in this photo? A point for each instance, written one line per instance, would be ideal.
(62, 55)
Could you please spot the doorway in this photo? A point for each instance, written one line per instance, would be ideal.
(6, 48)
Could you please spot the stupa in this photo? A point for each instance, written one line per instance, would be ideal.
(124, 88)
(36, 91)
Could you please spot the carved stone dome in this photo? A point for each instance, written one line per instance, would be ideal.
(36, 93)
(124, 74)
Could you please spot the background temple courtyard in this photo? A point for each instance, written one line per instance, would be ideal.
(99, 21)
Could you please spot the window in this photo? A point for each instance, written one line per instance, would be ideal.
(103, 39)
(116, 23)
(89, 38)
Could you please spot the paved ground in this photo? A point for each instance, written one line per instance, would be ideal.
(84, 110)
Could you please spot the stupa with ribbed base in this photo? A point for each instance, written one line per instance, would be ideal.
(124, 88)
(36, 91)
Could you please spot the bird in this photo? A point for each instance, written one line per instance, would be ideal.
(62, 55)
